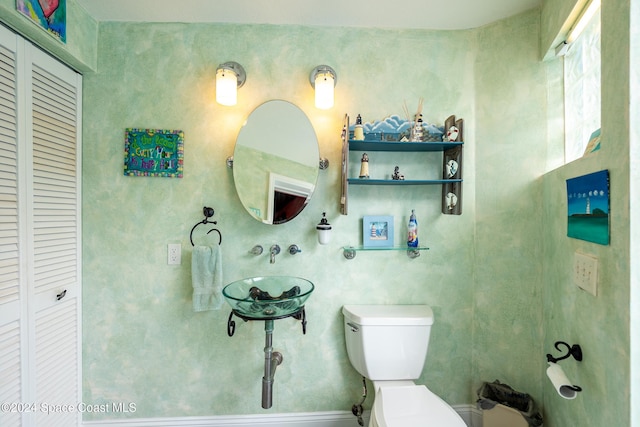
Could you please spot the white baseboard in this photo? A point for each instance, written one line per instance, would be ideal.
(471, 416)
(310, 419)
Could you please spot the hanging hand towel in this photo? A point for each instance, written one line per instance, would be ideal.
(206, 277)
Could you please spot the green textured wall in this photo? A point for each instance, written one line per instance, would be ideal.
(634, 205)
(498, 276)
(142, 342)
(601, 324)
(511, 156)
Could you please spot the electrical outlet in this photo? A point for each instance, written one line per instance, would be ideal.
(174, 253)
(585, 272)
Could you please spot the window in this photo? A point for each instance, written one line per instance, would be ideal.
(582, 90)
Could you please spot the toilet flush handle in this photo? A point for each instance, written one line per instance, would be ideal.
(354, 327)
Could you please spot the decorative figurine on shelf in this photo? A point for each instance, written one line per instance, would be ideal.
(452, 134)
(364, 166)
(418, 131)
(358, 131)
(397, 176)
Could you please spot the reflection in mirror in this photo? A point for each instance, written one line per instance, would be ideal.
(275, 162)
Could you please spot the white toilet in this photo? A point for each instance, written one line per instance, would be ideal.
(388, 345)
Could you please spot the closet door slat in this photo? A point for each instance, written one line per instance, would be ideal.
(9, 245)
(55, 213)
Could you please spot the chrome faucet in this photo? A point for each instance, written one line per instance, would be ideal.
(275, 250)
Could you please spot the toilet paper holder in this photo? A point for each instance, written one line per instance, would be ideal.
(572, 350)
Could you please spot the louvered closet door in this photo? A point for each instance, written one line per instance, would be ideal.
(39, 237)
(55, 99)
(10, 292)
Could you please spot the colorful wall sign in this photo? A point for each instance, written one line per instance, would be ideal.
(153, 152)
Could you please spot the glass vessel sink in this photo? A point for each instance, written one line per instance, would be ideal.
(269, 297)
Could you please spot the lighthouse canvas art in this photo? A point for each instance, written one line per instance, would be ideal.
(588, 207)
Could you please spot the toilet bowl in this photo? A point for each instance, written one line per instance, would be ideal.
(388, 344)
(411, 405)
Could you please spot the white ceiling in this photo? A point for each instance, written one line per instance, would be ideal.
(425, 14)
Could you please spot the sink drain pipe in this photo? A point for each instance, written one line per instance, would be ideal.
(271, 361)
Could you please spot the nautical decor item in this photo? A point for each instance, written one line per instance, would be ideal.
(397, 176)
(364, 166)
(588, 207)
(358, 132)
(452, 167)
(451, 200)
(452, 134)
(398, 128)
(417, 130)
(377, 231)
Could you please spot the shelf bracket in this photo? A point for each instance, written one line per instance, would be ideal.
(413, 253)
(349, 253)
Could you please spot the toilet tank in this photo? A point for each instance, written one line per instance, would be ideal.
(387, 342)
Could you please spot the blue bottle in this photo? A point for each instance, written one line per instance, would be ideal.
(412, 231)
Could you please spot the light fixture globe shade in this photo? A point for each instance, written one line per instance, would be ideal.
(324, 85)
(226, 87)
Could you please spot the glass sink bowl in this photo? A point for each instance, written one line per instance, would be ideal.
(269, 297)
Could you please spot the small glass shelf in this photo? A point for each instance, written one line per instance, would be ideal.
(349, 252)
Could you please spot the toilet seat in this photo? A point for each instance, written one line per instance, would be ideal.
(412, 406)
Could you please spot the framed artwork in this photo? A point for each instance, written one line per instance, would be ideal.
(588, 207)
(48, 14)
(594, 143)
(377, 231)
(153, 152)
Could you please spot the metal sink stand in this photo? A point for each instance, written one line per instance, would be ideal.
(272, 359)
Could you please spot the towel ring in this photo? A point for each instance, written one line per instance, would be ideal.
(208, 213)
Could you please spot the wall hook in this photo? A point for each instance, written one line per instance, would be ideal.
(572, 350)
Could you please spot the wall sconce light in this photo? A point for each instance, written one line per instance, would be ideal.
(229, 77)
(323, 79)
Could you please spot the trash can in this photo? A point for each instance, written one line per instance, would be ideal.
(502, 406)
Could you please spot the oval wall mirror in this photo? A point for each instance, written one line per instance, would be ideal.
(275, 162)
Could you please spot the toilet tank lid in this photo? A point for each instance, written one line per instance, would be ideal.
(388, 314)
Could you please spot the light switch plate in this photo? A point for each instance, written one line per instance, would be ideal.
(585, 272)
